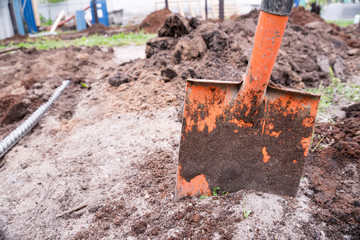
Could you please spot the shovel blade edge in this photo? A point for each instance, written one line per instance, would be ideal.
(225, 144)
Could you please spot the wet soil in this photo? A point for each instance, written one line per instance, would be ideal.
(116, 148)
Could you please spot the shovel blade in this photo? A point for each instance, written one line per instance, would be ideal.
(224, 144)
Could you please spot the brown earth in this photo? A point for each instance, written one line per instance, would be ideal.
(154, 20)
(301, 16)
(14, 40)
(116, 148)
(334, 175)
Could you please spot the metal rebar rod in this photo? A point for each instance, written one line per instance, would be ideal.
(7, 143)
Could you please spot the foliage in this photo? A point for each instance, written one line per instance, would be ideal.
(341, 23)
(55, 1)
(335, 92)
(120, 39)
(216, 191)
(45, 22)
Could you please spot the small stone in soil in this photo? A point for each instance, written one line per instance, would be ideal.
(119, 79)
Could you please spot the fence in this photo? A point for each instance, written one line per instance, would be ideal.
(6, 29)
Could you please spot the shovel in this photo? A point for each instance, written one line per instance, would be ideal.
(247, 135)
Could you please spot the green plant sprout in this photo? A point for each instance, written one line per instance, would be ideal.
(318, 144)
(84, 85)
(247, 212)
(215, 192)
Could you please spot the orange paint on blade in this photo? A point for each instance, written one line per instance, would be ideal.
(295, 161)
(305, 142)
(308, 121)
(266, 155)
(204, 105)
(241, 123)
(196, 187)
(275, 134)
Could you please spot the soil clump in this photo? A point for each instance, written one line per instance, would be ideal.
(220, 51)
(334, 175)
(155, 20)
(23, 90)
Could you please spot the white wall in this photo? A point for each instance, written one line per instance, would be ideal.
(132, 9)
(51, 10)
(6, 27)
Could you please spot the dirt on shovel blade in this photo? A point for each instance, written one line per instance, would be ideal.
(116, 148)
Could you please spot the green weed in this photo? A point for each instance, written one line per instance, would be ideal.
(341, 23)
(247, 212)
(336, 91)
(216, 191)
(120, 39)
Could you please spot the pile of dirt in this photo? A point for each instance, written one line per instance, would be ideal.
(353, 29)
(334, 174)
(23, 90)
(155, 20)
(301, 16)
(96, 28)
(13, 40)
(220, 51)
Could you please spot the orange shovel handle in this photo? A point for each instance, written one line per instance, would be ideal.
(269, 32)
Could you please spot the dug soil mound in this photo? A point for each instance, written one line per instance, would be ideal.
(155, 20)
(13, 40)
(334, 174)
(220, 51)
(95, 28)
(301, 16)
(23, 90)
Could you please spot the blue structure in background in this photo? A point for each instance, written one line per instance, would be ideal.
(80, 20)
(296, 3)
(29, 16)
(101, 12)
(17, 12)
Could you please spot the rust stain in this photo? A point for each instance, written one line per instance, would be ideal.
(196, 187)
(266, 155)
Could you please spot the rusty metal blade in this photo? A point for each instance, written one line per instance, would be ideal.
(224, 144)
